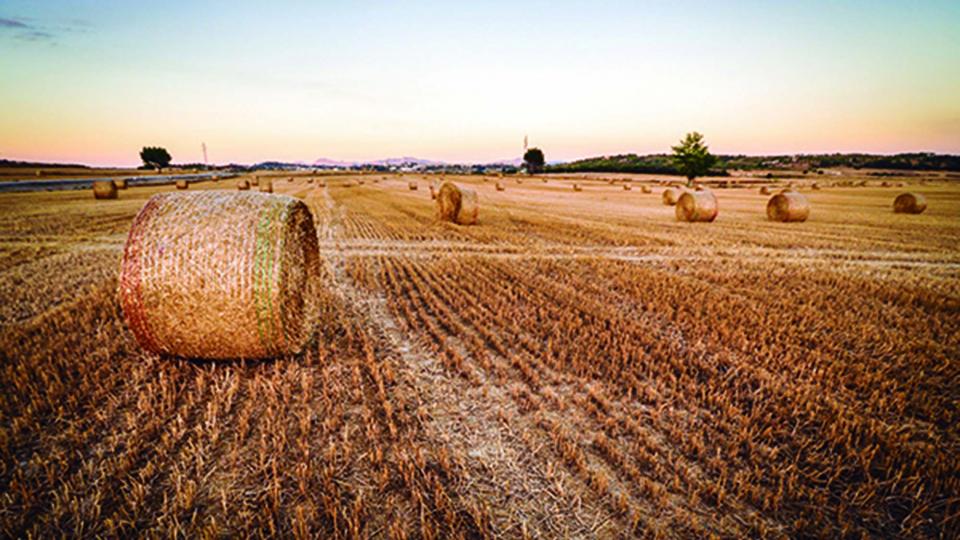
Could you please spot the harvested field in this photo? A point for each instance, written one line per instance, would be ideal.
(572, 365)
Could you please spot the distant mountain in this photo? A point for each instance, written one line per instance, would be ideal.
(326, 162)
(405, 161)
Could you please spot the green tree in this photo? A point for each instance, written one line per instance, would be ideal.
(692, 156)
(533, 159)
(155, 156)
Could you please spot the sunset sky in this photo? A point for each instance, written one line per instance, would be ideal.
(93, 81)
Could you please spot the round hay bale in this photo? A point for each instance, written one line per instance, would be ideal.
(309, 180)
(104, 189)
(697, 206)
(290, 179)
(626, 187)
(243, 185)
(39, 172)
(266, 186)
(433, 193)
(765, 190)
(220, 275)
(788, 207)
(120, 183)
(815, 186)
(519, 181)
(412, 186)
(576, 187)
(671, 195)
(182, 184)
(544, 180)
(256, 181)
(646, 189)
(909, 203)
(457, 204)
(500, 186)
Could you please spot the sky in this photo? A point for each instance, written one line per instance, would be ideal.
(94, 81)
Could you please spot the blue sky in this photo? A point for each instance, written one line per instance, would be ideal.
(94, 81)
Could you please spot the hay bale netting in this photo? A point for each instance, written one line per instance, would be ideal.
(182, 184)
(457, 204)
(104, 189)
(788, 206)
(220, 275)
(500, 186)
(412, 186)
(243, 185)
(697, 206)
(120, 183)
(266, 186)
(671, 195)
(765, 190)
(909, 203)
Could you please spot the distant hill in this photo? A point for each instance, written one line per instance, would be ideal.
(663, 164)
(13, 163)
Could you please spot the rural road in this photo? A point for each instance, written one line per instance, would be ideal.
(85, 183)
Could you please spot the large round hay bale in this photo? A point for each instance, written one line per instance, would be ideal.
(626, 187)
(457, 204)
(646, 189)
(182, 184)
(433, 193)
(218, 275)
(500, 186)
(909, 203)
(104, 189)
(120, 183)
(697, 206)
(815, 186)
(765, 190)
(576, 187)
(243, 185)
(266, 186)
(412, 186)
(787, 207)
(671, 195)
